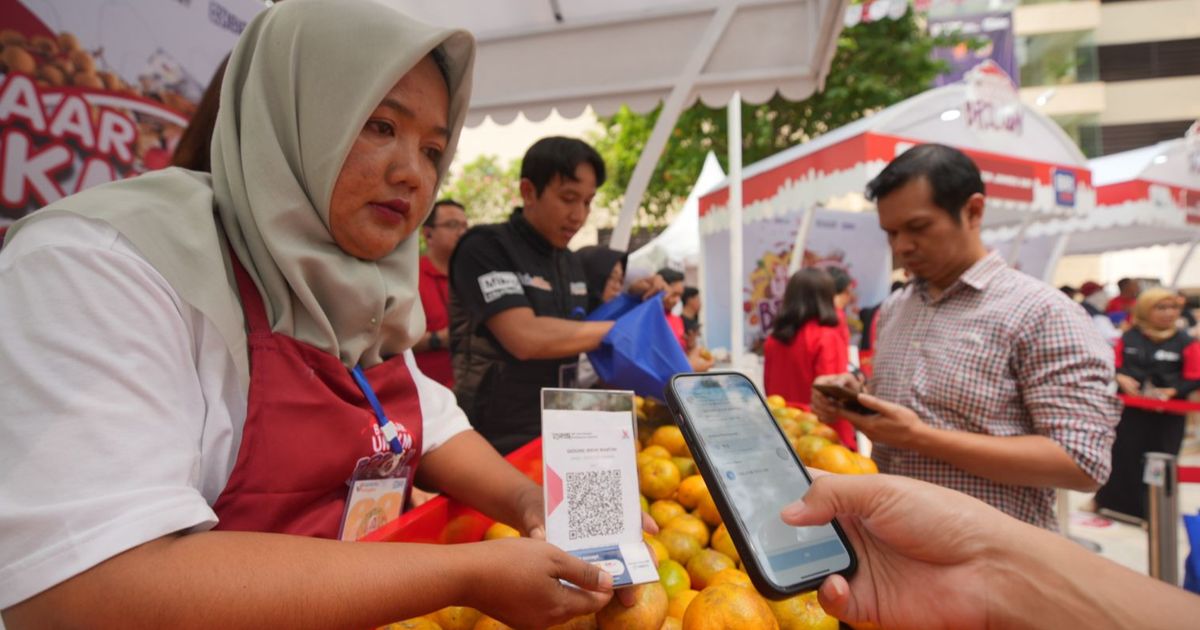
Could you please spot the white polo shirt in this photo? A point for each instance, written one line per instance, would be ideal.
(120, 409)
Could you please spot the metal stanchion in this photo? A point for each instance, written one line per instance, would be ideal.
(1160, 477)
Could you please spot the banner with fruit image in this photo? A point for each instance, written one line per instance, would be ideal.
(850, 241)
(91, 92)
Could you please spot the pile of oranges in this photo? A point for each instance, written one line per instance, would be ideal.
(702, 584)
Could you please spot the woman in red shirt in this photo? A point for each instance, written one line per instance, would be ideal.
(806, 342)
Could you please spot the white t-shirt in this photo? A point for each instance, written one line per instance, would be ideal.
(120, 408)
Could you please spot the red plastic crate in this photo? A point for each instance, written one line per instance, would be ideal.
(444, 521)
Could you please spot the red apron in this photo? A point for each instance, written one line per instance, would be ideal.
(307, 424)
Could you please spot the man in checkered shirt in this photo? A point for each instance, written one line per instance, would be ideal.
(985, 380)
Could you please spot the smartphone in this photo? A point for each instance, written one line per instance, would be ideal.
(752, 473)
(845, 397)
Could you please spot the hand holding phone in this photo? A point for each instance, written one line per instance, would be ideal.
(844, 396)
(753, 473)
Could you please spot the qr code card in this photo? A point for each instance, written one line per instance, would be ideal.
(591, 484)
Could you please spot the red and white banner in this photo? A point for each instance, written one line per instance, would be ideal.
(91, 92)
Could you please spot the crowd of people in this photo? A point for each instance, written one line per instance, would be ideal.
(198, 364)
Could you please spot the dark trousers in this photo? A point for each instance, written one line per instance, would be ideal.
(1138, 433)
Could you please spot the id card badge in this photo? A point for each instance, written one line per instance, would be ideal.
(378, 489)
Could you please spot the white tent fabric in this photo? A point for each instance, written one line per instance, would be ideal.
(539, 55)
(1144, 197)
(678, 246)
(842, 161)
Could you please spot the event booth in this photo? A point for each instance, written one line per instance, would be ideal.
(1144, 197)
(810, 198)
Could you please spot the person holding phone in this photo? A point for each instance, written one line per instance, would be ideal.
(985, 380)
(983, 569)
(806, 341)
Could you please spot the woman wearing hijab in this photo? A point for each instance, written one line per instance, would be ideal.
(196, 370)
(1157, 360)
(604, 272)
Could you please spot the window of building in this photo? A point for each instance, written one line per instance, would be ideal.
(1057, 58)
(1150, 60)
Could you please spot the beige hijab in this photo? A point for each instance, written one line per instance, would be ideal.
(300, 84)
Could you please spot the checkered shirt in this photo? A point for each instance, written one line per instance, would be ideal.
(1003, 354)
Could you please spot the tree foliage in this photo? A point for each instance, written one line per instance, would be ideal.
(487, 187)
(877, 64)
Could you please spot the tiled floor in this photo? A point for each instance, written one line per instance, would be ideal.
(1128, 544)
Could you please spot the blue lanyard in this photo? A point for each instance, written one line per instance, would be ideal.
(400, 440)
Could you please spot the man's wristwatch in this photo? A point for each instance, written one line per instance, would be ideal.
(435, 342)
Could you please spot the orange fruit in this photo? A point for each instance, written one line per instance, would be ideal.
(658, 478)
(418, 623)
(647, 613)
(866, 465)
(462, 528)
(500, 530)
(707, 510)
(645, 503)
(487, 623)
(660, 551)
(671, 623)
(674, 577)
(657, 451)
(680, 603)
(690, 491)
(721, 541)
(729, 606)
(776, 401)
(825, 431)
(836, 458)
(806, 425)
(456, 618)
(807, 447)
(686, 466)
(691, 526)
(582, 622)
(704, 565)
(790, 427)
(730, 576)
(802, 612)
(670, 437)
(664, 510)
(680, 546)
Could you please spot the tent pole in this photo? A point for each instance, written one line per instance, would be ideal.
(1019, 239)
(737, 320)
(806, 222)
(1056, 254)
(1184, 261)
(667, 117)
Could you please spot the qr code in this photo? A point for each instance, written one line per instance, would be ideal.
(594, 503)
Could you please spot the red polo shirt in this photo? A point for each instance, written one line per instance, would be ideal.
(434, 287)
(676, 324)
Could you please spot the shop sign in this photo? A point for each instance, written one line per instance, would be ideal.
(993, 104)
(1065, 184)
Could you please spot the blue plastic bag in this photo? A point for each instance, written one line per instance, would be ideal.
(640, 352)
(1191, 568)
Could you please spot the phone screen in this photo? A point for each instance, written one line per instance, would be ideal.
(759, 475)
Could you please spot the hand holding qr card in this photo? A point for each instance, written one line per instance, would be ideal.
(590, 481)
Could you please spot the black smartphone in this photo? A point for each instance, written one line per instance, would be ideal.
(752, 473)
(845, 397)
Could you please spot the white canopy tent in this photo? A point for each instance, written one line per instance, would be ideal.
(539, 55)
(679, 245)
(1144, 197)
